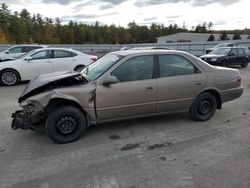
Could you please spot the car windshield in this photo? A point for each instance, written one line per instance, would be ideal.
(96, 69)
(220, 45)
(221, 51)
(26, 54)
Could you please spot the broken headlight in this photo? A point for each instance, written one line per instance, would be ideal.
(32, 106)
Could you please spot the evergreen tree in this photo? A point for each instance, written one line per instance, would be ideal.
(236, 36)
(211, 37)
(223, 36)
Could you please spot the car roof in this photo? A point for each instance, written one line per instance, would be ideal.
(21, 45)
(58, 48)
(146, 51)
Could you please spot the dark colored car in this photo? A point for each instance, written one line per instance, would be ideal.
(228, 56)
(229, 44)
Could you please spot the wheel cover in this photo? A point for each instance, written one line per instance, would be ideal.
(66, 125)
(9, 78)
(204, 107)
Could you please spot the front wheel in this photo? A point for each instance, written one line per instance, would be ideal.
(65, 124)
(245, 64)
(203, 107)
(9, 77)
(224, 63)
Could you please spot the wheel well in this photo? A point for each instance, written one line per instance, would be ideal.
(18, 74)
(217, 96)
(55, 103)
(78, 66)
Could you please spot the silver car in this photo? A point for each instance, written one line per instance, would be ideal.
(125, 85)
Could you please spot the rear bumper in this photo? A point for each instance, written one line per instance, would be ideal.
(231, 94)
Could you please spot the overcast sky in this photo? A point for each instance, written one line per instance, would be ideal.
(225, 14)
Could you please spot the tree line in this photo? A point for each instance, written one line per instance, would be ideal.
(22, 27)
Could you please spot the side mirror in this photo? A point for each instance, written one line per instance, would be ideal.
(7, 52)
(28, 59)
(232, 54)
(110, 80)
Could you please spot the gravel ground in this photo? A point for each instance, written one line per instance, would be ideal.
(168, 151)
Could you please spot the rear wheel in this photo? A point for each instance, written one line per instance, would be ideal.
(9, 77)
(65, 124)
(203, 107)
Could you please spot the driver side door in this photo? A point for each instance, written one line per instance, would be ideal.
(36, 64)
(133, 95)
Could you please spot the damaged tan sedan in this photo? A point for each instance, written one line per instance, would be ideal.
(124, 85)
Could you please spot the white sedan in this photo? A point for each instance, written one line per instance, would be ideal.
(42, 61)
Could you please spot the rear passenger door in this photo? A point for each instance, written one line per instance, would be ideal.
(179, 82)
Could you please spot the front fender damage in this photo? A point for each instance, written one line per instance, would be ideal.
(35, 103)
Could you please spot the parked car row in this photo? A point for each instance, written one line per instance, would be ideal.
(16, 51)
(228, 44)
(39, 61)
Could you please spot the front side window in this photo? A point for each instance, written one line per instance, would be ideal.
(221, 51)
(175, 65)
(16, 50)
(62, 54)
(42, 55)
(234, 51)
(136, 68)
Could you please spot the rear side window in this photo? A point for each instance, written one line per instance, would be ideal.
(136, 68)
(241, 51)
(247, 51)
(63, 54)
(175, 65)
(30, 48)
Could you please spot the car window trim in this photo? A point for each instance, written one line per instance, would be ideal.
(158, 73)
(42, 58)
(54, 56)
(154, 73)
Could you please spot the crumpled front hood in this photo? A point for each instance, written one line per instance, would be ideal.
(51, 81)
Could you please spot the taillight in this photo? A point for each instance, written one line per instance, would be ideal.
(238, 79)
(93, 58)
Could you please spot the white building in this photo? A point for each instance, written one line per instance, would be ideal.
(191, 37)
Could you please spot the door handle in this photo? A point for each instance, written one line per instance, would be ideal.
(198, 83)
(149, 88)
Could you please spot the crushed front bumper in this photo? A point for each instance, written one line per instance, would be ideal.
(24, 120)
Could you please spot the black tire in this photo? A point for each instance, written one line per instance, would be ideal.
(203, 107)
(79, 68)
(224, 63)
(65, 124)
(9, 77)
(244, 64)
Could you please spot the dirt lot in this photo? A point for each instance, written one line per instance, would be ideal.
(169, 151)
